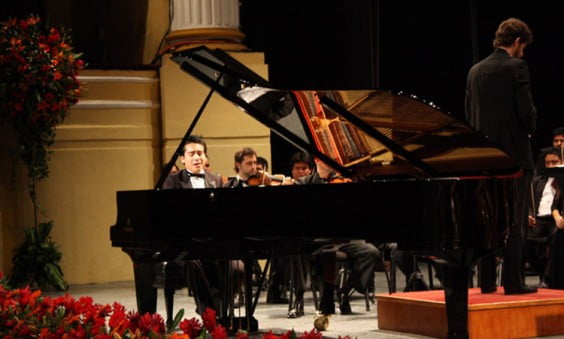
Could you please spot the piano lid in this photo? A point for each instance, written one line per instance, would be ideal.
(364, 134)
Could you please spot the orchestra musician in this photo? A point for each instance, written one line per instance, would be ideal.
(301, 165)
(363, 255)
(247, 173)
(262, 164)
(542, 225)
(555, 275)
(557, 142)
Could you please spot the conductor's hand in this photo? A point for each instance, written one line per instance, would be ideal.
(532, 222)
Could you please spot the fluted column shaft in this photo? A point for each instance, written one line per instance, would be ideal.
(214, 23)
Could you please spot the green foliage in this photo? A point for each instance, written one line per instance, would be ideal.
(36, 260)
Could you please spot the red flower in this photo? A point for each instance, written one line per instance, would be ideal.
(313, 334)
(192, 327)
(242, 335)
(270, 335)
(54, 36)
(209, 319)
(219, 332)
(23, 24)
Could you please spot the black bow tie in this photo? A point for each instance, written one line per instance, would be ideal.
(198, 175)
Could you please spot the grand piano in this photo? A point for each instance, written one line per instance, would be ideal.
(421, 178)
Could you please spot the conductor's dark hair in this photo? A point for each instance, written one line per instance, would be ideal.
(511, 29)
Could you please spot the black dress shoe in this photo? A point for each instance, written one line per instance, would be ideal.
(490, 289)
(297, 309)
(521, 290)
(345, 306)
(295, 313)
(276, 300)
(326, 308)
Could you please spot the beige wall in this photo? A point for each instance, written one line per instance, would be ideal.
(117, 138)
(224, 127)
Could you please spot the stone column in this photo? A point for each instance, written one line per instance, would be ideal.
(214, 23)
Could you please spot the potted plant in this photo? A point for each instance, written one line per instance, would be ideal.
(38, 85)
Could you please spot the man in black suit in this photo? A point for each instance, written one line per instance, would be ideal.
(204, 276)
(193, 175)
(500, 105)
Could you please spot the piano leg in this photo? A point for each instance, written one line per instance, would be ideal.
(455, 282)
(169, 304)
(146, 294)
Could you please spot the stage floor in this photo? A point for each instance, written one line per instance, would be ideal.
(494, 315)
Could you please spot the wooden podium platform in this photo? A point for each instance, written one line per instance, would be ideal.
(494, 315)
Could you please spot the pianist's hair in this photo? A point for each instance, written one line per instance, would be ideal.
(195, 139)
(511, 29)
(241, 154)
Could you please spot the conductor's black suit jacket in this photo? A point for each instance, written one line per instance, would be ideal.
(500, 105)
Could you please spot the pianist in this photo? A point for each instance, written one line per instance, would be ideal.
(193, 175)
(203, 275)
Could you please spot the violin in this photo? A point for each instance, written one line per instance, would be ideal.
(265, 179)
(339, 179)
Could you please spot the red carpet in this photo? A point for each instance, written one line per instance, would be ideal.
(475, 297)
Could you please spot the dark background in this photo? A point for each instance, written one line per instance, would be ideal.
(422, 47)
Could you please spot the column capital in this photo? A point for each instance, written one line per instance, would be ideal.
(213, 23)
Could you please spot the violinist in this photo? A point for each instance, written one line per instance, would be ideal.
(245, 168)
(362, 254)
(248, 174)
(301, 165)
(323, 175)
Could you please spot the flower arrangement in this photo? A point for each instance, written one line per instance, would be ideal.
(26, 313)
(38, 85)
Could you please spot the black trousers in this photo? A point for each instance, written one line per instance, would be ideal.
(538, 244)
(514, 253)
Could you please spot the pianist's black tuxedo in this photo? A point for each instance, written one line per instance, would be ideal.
(181, 180)
(499, 104)
(203, 275)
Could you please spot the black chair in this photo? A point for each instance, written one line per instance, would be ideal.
(344, 269)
